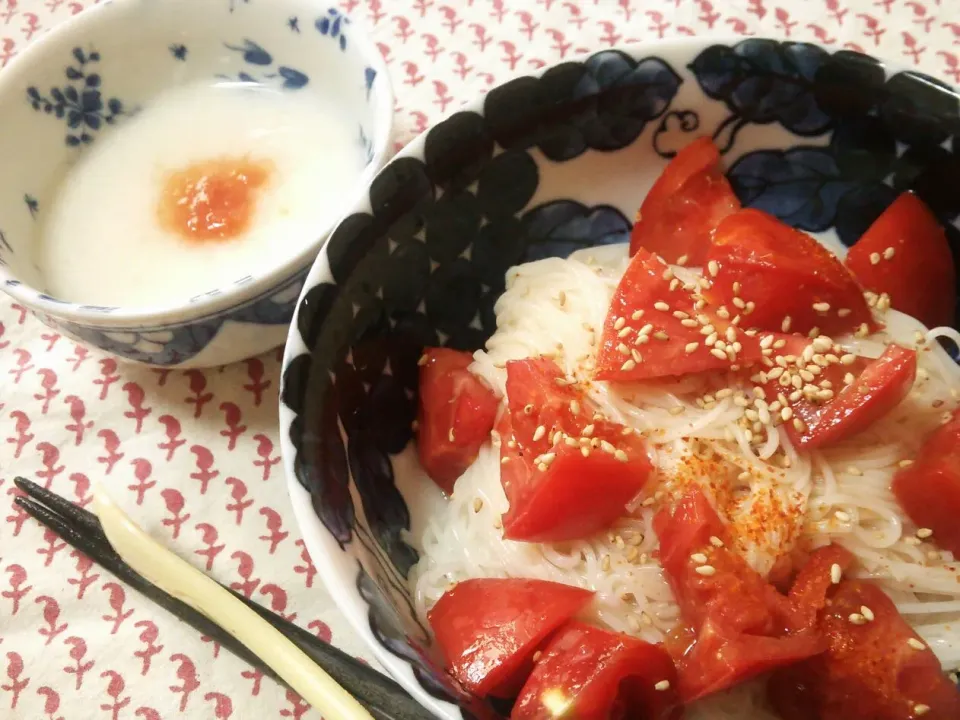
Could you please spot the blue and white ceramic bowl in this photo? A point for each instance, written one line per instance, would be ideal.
(71, 86)
(541, 166)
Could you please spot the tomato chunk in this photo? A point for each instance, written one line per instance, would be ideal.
(685, 204)
(831, 407)
(489, 629)
(906, 255)
(457, 411)
(644, 335)
(929, 490)
(816, 578)
(873, 669)
(593, 674)
(784, 273)
(566, 472)
(737, 620)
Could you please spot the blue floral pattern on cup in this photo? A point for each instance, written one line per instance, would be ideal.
(79, 101)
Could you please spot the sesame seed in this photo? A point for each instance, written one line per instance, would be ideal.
(718, 353)
(716, 542)
(867, 613)
(689, 323)
(645, 330)
(739, 303)
(548, 458)
(691, 347)
(785, 325)
(705, 570)
(637, 315)
(680, 315)
(916, 644)
(921, 709)
(662, 685)
(713, 268)
(450, 436)
(504, 460)
(723, 313)
(624, 332)
(889, 253)
(661, 335)
(821, 307)
(628, 365)
(619, 323)
(857, 619)
(575, 407)
(585, 451)
(682, 260)
(539, 433)
(699, 558)
(637, 357)
(676, 410)
(661, 306)
(874, 258)
(477, 504)
(799, 425)
(905, 463)
(620, 455)
(842, 516)
(588, 430)
(607, 447)
(835, 573)
(924, 533)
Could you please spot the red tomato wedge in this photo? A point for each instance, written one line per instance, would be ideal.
(828, 408)
(592, 674)
(652, 331)
(457, 412)
(738, 619)
(784, 273)
(872, 670)
(489, 629)
(685, 204)
(929, 490)
(906, 255)
(816, 578)
(566, 472)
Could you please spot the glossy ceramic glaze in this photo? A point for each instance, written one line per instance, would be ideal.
(87, 76)
(541, 166)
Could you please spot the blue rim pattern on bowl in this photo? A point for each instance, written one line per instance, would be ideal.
(421, 261)
(83, 104)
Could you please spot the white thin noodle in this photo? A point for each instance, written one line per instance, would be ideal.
(557, 307)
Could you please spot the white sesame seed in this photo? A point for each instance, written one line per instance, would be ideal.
(691, 347)
(821, 307)
(624, 332)
(867, 613)
(739, 303)
(699, 558)
(723, 313)
(842, 516)
(588, 430)
(585, 451)
(548, 458)
(785, 325)
(680, 315)
(637, 357)
(835, 573)
(575, 407)
(619, 323)
(916, 644)
(676, 410)
(766, 342)
(718, 353)
(920, 709)
(843, 312)
(786, 413)
(661, 306)
(661, 335)
(705, 570)
(662, 685)
(637, 315)
(628, 365)
(856, 619)
(713, 268)
(716, 542)
(682, 260)
(889, 253)
(539, 433)
(874, 258)
(504, 460)
(645, 330)
(689, 323)
(924, 533)
(620, 455)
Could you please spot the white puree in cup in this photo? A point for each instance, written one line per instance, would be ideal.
(105, 240)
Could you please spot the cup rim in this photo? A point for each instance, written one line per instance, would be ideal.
(230, 295)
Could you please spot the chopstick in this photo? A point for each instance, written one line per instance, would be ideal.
(383, 698)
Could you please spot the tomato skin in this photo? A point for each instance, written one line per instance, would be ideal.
(929, 490)
(882, 385)
(452, 399)
(576, 495)
(489, 629)
(921, 277)
(642, 286)
(603, 675)
(869, 671)
(783, 272)
(738, 620)
(686, 203)
(808, 596)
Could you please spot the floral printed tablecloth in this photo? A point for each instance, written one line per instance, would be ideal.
(194, 455)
